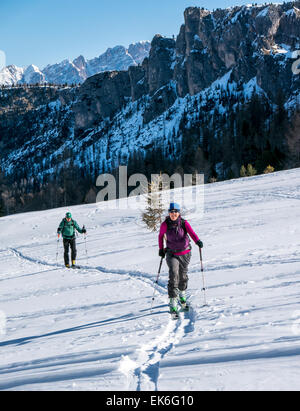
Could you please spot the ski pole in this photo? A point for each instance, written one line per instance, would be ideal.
(203, 278)
(86, 253)
(57, 249)
(156, 282)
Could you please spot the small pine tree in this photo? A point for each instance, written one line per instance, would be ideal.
(251, 170)
(152, 216)
(269, 170)
(243, 171)
(247, 172)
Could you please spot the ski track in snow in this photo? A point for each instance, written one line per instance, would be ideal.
(147, 279)
(144, 375)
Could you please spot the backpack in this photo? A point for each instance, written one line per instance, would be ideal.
(65, 223)
(169, 225)
(73, 225)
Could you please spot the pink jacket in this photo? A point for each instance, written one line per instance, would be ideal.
(163, 231)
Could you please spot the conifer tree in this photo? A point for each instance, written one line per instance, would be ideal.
(243, 171)
(152, 216)
(251, 170)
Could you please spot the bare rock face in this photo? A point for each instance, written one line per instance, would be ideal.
(100, 97)
(138, 81)
(267, 21)
(159, 72)
(238, 39)
(103, 94)
(160, 102)
(250, 42)
(209, 44)
(160, 63)
(288, 31)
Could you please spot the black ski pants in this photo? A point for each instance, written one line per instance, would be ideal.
(70, 243)
(178, 269)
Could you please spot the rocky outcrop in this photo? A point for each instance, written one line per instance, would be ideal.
(160, 63)
(211, 43)
(288, 30)
(138, 83)
(100, 97)
(159, 102)
(251, 42)
(103, 94)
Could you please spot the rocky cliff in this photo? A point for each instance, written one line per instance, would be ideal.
(250, 42)
(219, 95)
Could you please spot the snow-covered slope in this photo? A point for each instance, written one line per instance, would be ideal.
(93, 328)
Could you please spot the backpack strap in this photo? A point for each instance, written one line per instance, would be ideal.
(65, 225)
(183, 226)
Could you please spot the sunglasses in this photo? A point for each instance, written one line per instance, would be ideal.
(173, 211)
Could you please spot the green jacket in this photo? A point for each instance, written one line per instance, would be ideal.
(67, 228)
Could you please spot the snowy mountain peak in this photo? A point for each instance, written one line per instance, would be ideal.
(79, 62)
(78, 70)
(11, 75)
(32, 75)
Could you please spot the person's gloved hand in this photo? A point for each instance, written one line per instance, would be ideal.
(199, 244)
(83, 230)
(162, 253)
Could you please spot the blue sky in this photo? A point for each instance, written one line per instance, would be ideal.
(48, 31)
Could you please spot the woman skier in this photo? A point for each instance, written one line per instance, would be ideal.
(67, 229)
(178, 255)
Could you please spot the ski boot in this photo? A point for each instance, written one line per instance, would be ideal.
(183, 302)
(74, 264)
(174, 308)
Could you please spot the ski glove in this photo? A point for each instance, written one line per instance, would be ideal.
(83, 231)
(199, 244)
(162, 253)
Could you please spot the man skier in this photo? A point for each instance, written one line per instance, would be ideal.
(67, 229)
(178, 255)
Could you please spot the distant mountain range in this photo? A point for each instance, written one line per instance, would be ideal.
(78, 70)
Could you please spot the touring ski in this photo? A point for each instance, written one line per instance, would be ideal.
(175, 315)
(185, 307)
